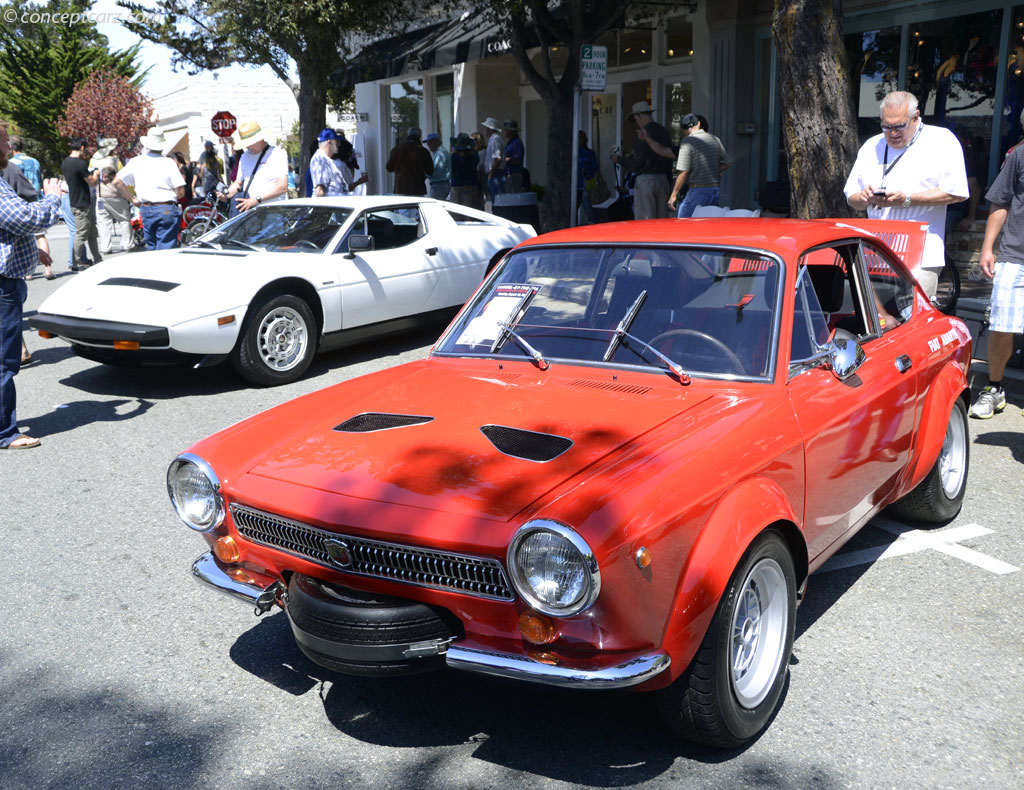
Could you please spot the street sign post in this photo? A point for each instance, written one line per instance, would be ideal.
(223, 124)
(593, 67)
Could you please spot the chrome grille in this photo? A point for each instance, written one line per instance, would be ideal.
(479, 576)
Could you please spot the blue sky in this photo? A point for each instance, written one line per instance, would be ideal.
(161, 78)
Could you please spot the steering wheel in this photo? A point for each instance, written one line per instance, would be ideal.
(727, 352)
(307, 243)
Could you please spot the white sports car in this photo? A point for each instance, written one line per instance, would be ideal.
(276, 284)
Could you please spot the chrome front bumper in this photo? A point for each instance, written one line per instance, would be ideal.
(631, 672)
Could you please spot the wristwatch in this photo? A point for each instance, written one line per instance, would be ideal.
(906, 202)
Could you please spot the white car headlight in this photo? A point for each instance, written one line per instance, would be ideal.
(553, 568)
(195, 492)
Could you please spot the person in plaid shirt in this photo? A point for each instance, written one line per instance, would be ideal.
(19, 222)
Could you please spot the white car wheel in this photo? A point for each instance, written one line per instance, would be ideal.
(277, 341)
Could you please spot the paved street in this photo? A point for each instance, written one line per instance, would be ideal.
(118, 671)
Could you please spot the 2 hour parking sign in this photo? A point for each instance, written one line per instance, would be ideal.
(593, 67)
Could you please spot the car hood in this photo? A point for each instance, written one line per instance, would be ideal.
(164, 287)
(470, 436)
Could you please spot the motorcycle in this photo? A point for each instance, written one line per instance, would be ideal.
(198, 218)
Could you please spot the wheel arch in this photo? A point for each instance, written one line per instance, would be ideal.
(749, 509)
(296, 286)
(948, 386)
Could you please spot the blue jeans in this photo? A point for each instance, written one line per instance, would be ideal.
(13, 293)
(160, 226)
(697, 196)
(439, 189)
(69, 223)
(496, 186)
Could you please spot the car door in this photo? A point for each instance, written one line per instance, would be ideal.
(398, 277)
(857, 433)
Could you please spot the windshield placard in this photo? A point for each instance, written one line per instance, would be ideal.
(504, 307)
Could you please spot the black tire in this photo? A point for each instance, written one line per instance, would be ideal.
(277, 341)
(708, 704)
(351, 617)
(939, 497)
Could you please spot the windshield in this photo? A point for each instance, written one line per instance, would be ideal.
(710, 311)
(280, 227)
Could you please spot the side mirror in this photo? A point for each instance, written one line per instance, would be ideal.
(845, 357)
(358, 242)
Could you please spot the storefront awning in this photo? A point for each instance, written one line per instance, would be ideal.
(463, 38)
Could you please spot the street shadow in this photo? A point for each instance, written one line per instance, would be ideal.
(1011, 440)
(70, 416)
(57, 736)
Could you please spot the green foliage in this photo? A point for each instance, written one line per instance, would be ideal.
(42, 62)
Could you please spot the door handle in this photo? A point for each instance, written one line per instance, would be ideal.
(903, 363)
(431, 250)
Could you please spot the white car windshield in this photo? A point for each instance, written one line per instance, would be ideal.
(707, 311)
(279, 227)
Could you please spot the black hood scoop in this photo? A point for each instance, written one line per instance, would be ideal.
(528, 445)
(375, 421)
(138, 282)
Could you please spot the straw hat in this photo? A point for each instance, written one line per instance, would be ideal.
(249, 133)
(491, 123)
(639, 108)
(154, 140)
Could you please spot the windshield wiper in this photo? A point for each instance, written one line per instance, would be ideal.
(624, 324)
(201, 243)
(675, 368)
(238, 243)
(506, 332)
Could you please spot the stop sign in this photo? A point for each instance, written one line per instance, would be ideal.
(223, 124)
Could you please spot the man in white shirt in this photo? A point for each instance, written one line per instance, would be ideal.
(328, 178)
(262, 171)
(494, 157)
(910, 171)
(158, 187)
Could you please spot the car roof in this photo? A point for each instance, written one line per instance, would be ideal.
(784, 237)
(361, 201)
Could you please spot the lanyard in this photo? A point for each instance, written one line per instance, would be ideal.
(885, 160)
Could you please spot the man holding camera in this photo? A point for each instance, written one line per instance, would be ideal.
(910, 171)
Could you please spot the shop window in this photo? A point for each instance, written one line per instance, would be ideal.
(952, 68)
(610, 40)
(874, 60)
(678, 38)
(634, 46)
(677, 104)
(406, 105)
(444, 108)
(1013, 95)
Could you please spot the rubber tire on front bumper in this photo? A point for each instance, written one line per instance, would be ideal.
(356, 619)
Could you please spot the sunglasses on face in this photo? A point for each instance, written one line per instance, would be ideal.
(895, 127)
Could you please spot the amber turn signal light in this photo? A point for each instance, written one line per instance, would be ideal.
(537, 629)
(224, 320)
(48, 335)
(643, 557)
(126, 345)
(226, 550)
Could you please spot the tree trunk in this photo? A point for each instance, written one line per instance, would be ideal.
(558, 176)
(817, 110)
(312, 99)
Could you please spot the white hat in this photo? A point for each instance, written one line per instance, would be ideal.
(491, 123)
(154, 139)
(249, 133)
(106, 147)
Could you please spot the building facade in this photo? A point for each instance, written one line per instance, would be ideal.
(964, 60)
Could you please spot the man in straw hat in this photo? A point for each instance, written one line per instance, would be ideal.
(515, 155)
(648, 161)
(158, 187)
(262, 174)
(494, 157)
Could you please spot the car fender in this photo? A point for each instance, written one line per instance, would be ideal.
(949, 385)
(742, 514)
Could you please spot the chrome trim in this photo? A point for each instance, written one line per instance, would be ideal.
(578, 543)
(207, 470)
(631, 672)
(482, 577)
(207, 570)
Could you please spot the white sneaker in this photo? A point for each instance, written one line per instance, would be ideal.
(988, 403)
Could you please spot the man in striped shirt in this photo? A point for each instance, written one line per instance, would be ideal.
(702, 160)
(19, 224)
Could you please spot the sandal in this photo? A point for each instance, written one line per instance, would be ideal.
(22, 442)
(25, 361)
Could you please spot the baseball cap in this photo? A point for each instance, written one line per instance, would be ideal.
(433, 136)
(326, 134)
(689, 120)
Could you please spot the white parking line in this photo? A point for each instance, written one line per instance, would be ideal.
(910, 541)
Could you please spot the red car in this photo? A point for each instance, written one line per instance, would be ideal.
(617, 468)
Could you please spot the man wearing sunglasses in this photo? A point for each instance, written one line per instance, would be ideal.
(910, 171)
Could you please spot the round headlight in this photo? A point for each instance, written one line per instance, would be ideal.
(553, 568)
(195, 492)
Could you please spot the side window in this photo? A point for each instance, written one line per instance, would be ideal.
(810, 327)
(830, 272)
(893, 293)
(390, 228)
